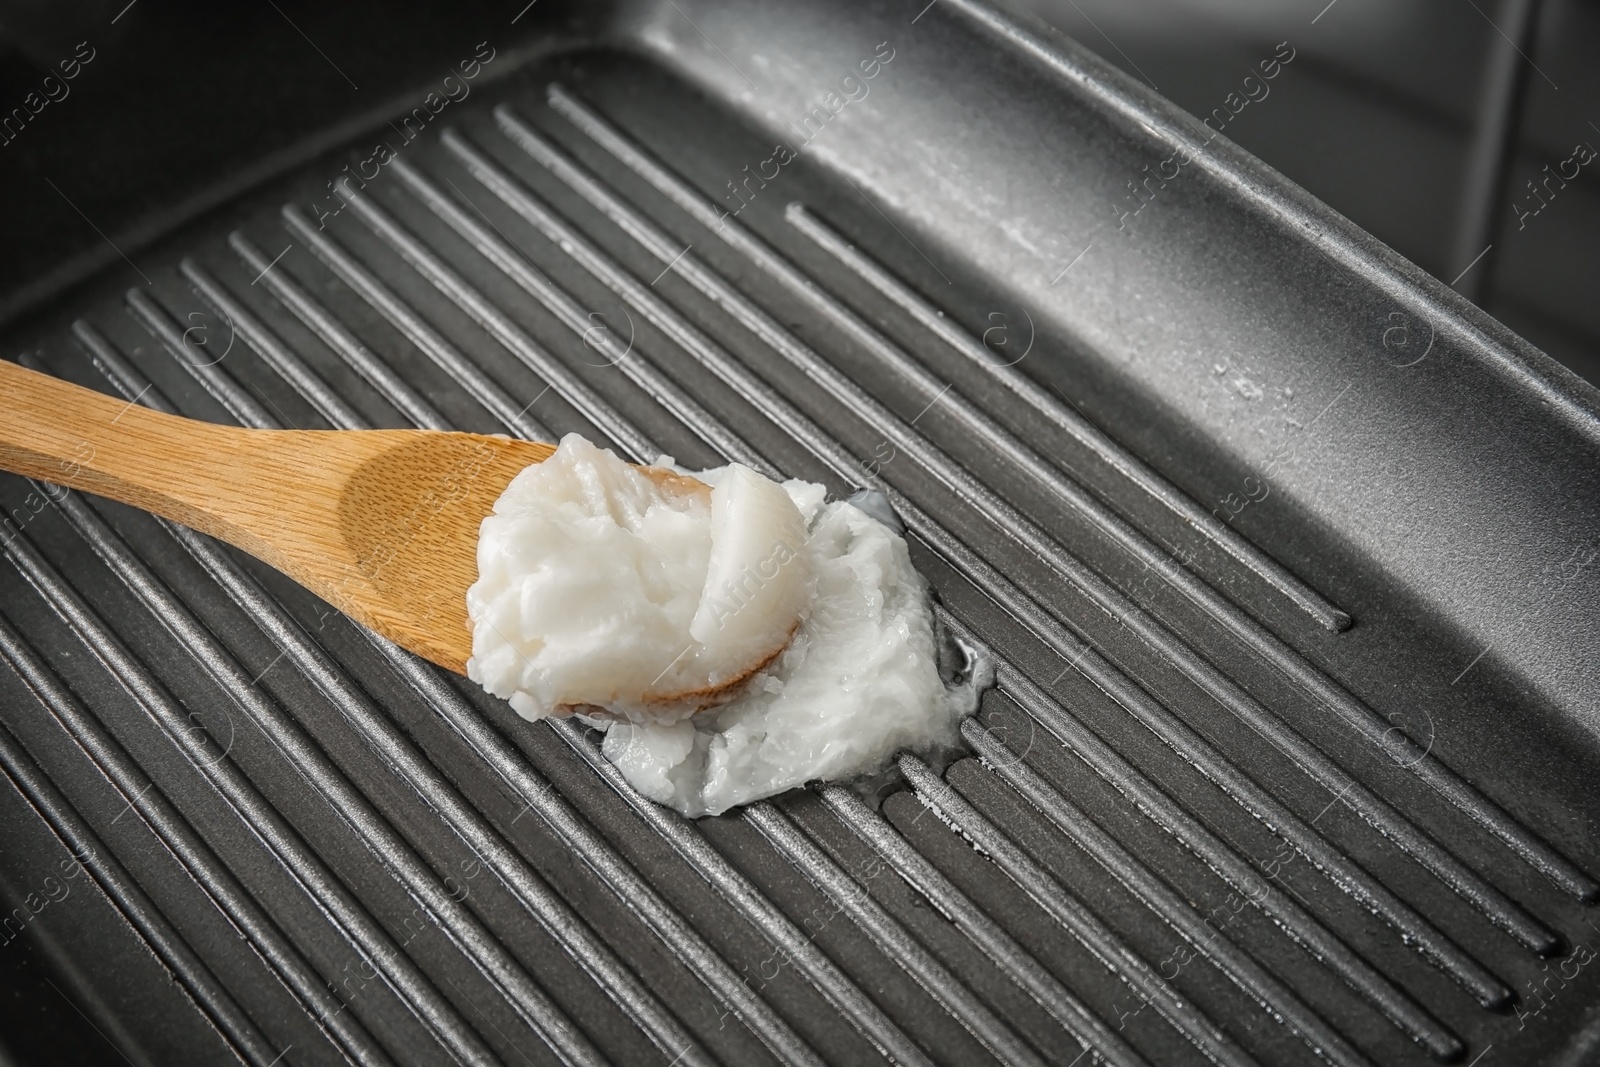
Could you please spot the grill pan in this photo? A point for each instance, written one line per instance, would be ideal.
(1284, 554)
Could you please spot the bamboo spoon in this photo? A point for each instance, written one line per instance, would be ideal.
(382, 524)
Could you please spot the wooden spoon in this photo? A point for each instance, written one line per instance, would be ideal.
(382, 524)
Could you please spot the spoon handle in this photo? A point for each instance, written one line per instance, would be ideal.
(222, 480)
(58, 432)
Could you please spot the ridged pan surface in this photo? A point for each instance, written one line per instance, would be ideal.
(1204, 815)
